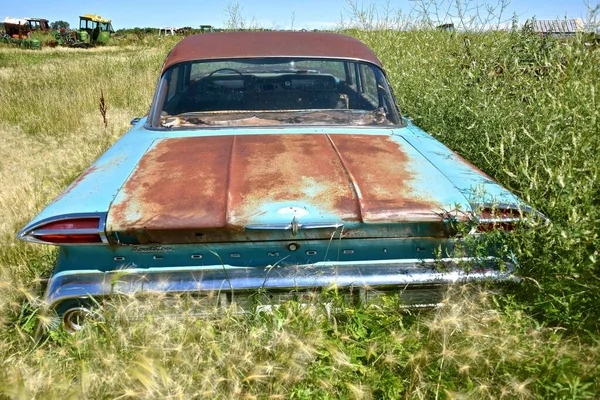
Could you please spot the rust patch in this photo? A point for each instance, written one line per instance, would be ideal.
(219, 185)
(179, 184)
(297, 169)
(114, 162)
(382, 175)
(74, 184)
(228, 45)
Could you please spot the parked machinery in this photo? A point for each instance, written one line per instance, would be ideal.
(93, 30)
(18, 31)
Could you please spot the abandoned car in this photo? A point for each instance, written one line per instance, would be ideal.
(271, 161)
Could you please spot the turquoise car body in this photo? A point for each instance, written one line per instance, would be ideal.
(284, 208)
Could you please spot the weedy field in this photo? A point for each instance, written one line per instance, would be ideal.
(522, 108)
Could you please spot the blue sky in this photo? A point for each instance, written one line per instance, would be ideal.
(273, 14)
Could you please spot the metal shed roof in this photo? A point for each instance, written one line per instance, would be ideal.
(556, 26)
(225, 45)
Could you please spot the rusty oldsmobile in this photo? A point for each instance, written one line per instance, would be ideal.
(272, 161)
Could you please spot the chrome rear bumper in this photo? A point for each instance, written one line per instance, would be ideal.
(389, 275)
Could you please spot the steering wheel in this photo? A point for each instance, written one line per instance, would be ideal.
(225, 69)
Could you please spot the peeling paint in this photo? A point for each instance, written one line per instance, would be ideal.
(202, 189)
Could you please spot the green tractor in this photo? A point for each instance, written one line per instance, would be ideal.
(93, 30)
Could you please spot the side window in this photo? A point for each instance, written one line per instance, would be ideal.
(348, 70)
(173, 82)
(369, 83)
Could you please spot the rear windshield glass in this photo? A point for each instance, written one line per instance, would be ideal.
(273, 91)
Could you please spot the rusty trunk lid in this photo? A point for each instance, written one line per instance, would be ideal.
(255, 187)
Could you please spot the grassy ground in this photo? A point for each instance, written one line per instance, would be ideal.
(523, 109)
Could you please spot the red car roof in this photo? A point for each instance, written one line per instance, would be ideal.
(226, 45)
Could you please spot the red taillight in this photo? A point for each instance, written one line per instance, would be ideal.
(498, 219)
(69, 231)
(80, 223)
(72, 238)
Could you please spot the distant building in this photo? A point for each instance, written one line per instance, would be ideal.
(446, 28)
(557, 27)
(167, 31)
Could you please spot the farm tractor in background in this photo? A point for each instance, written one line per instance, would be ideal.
(93, 30)
(18, 31)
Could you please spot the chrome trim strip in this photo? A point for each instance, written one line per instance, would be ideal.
(291, 226)
(42, 232)
(375, 275)
(27, 232)
(102, 228)
(402, 124)
(320, 226)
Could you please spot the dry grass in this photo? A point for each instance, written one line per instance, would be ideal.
(467, 349)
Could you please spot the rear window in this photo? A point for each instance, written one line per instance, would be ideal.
(273, 91)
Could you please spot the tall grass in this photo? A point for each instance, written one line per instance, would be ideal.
(524, 109)
(521, 108)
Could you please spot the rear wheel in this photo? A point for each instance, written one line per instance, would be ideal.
(74, 314)
(75, 317)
